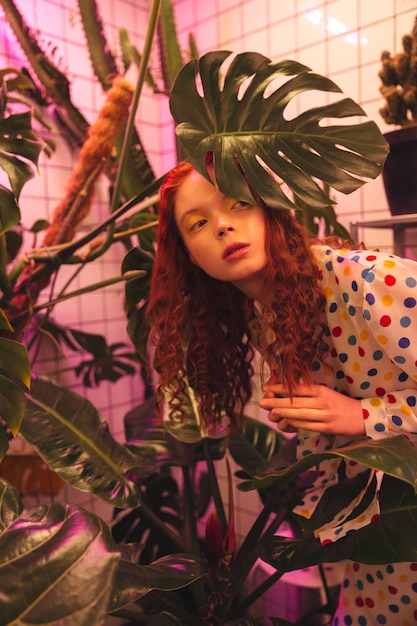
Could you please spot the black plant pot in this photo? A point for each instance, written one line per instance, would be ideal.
(400, 171)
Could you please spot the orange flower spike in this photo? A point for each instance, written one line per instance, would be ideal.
(104, 130)
(93, 157)
(214, 541)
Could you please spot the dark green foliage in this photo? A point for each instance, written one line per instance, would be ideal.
(252, 141)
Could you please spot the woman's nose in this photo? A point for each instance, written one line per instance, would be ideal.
(222, 228)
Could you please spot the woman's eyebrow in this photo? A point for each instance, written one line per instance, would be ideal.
(197, 209)
(189, 212)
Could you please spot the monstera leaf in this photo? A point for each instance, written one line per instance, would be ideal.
(20, 146)
(371, 544)
(14, 380)
(241, 117)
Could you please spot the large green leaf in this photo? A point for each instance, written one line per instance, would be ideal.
(14, 376)
(138, 332)
(191, 429)
(81, 574)
(143, 425)
(9, 210)
(391, 538)
(15, 361)
(137, 289)
(11, 505)
(166, 574)
(18, 144)
(254, 444)
(136, 298)
(4, 322)
(394, 456)
(4, 442)
(57, 566)
(13, 404)
(74, 439)
(241, 118)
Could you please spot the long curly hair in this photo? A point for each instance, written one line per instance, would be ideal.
(202, 328)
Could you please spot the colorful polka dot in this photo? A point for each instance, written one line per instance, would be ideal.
(405, 321)
(371, 339)
(385, 321)
(387, 300)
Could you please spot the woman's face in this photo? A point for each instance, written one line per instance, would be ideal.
(223, 236)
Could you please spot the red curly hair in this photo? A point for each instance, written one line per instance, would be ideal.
(201, 326)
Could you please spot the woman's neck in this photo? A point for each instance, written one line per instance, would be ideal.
(252, 287)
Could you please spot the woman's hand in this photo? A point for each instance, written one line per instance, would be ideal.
(313, 407)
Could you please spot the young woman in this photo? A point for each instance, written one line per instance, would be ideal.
(336, 328)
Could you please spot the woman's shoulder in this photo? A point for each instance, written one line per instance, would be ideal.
(330, 258)
(363, 272)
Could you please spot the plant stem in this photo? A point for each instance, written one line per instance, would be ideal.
(80, 292)
(189, 510)
(218, 502)
(190, 528)
(5, 283)
(67, 251)
(248, 552)
(257, 593)
(153, 20)
(155, 522)
(58, 255)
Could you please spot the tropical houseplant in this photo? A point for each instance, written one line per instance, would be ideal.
(93, 545)
(398, 76)
(63, 543)
(219, 121)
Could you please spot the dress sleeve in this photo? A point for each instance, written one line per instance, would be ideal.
(390, 313)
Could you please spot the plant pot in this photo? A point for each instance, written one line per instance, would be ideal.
(400, 171)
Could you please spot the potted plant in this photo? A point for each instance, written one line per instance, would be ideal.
(399, 88)
(74, 440)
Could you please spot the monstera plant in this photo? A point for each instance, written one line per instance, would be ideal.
(244, 125)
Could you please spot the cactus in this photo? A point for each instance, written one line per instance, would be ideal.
(399, 82)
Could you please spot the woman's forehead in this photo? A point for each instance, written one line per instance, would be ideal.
(194, 191)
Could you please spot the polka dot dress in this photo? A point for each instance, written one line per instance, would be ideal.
(382, 594)
(371, 314)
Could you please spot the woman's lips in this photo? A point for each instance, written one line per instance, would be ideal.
(235, 251)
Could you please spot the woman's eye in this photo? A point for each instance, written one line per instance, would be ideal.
(240, 204)
(198, 224)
